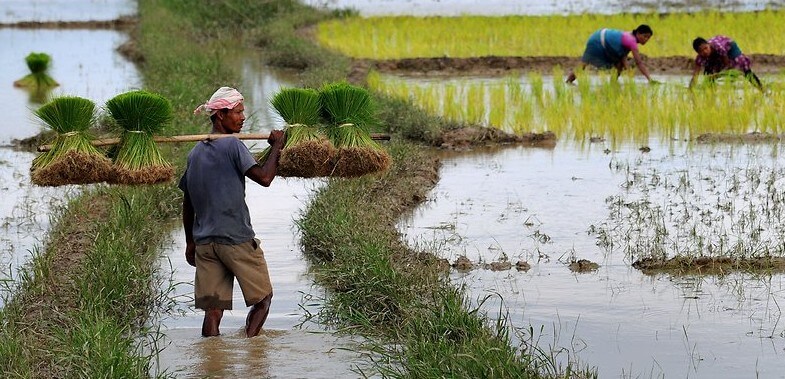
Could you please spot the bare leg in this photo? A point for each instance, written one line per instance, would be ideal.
(257, 316)
(212, 319)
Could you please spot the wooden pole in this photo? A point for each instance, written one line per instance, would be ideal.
(198, 137)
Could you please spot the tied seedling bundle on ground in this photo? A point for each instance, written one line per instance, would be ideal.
(72, 158)
(38, 63)
(140, 115)
(348, 112)
(307, 153)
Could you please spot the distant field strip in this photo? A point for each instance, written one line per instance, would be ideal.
(474, 36)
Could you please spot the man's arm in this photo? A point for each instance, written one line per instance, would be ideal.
(188, 226)
(265, 173)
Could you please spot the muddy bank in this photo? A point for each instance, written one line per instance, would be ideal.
(121, 23)
(709, 265)
(751, 137)
(496, 66)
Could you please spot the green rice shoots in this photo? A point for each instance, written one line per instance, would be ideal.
(307, 151)
(72, 158)
(38, 63)
(140, 115)
(349, 113)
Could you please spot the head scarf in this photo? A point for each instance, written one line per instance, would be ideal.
(223, 98)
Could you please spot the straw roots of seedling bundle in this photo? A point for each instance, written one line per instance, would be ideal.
(73, 167)
(307, 159)
(72, 159)
(148, 175)
(352, 162)
(139, 115)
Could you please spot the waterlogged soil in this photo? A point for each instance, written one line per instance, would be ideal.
(499, 66)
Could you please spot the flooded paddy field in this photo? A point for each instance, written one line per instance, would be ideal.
(85, 64)
(545, 207)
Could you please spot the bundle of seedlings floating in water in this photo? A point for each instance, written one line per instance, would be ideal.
(72, 158)
(140, 115)
(38, 78)
(348, 112)
(307, 153)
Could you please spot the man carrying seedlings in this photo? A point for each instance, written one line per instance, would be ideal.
(220, 241)
(608, 48)
(720, 54)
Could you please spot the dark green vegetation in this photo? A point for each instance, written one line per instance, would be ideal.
(38, 63)
(82, 308)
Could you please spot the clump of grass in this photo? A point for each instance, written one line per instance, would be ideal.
(307, 152)
(348, 112)
(140, 115)
(38, 63)
(72, 158)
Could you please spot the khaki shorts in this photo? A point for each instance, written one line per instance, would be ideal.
(216, 267)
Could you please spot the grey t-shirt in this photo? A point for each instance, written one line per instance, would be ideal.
(215, 181)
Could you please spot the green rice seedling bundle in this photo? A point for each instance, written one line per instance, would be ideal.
(72, 158)
(38, 63)
(307, 152)
(140, 115)
(349, 113)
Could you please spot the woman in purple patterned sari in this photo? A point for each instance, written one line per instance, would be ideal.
(719, 54)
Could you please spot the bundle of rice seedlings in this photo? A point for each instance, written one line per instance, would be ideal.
(72, 158)
(307, 152)
(140, 115)
(349, 114)
(38, 63)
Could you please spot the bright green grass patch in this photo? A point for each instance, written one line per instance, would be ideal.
(621, 111)
(474, 36)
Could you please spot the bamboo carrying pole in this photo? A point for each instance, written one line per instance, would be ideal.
(198, 137)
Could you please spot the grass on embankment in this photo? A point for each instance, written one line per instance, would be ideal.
(553, 35)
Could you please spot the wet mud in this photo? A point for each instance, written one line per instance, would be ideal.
(122, 23)
(499, 66)
(709, 265)
(464, 264)
(752, 137)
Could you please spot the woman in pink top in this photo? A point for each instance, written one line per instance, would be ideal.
(607, 48)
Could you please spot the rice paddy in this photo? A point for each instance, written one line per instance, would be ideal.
(550, 35)
(602, 108)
